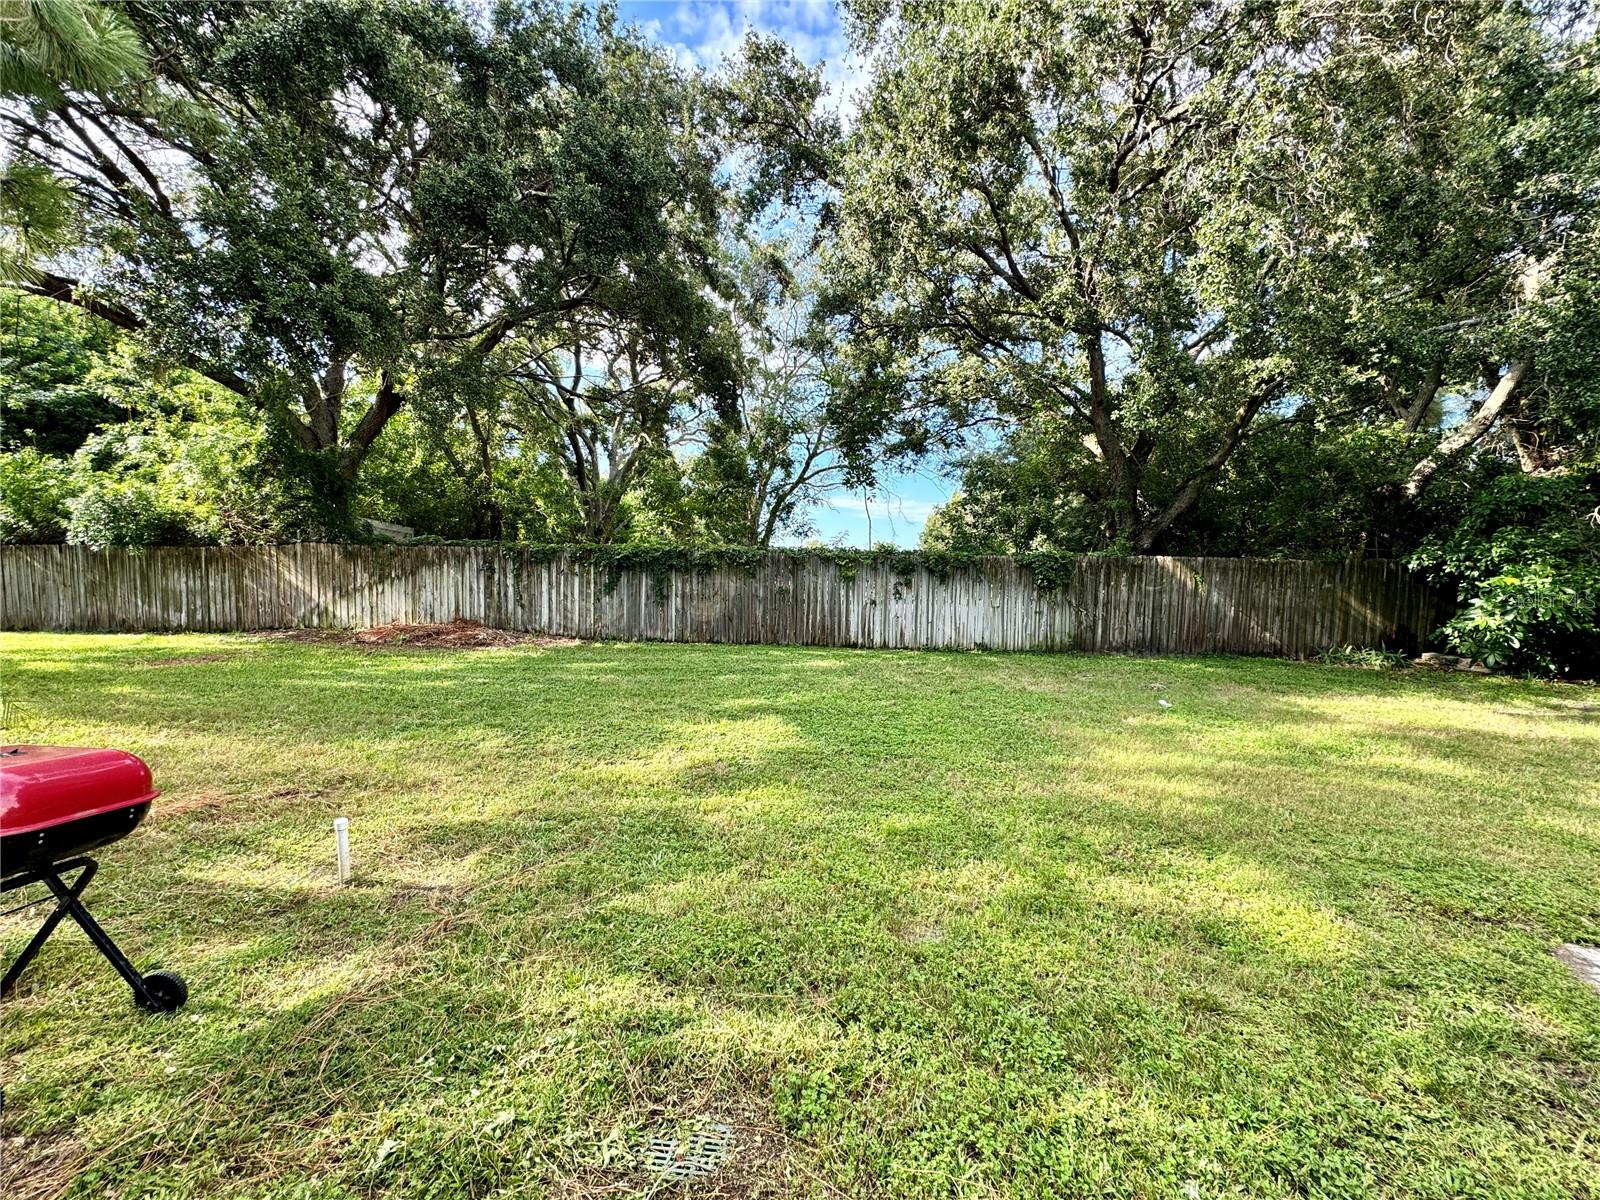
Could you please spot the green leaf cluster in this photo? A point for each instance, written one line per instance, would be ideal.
(1525, 561)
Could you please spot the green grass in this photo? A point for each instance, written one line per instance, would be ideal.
(917, 925)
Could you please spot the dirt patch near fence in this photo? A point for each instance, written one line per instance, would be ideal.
(459, 634)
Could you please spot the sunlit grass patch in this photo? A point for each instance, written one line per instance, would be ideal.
(908, 925)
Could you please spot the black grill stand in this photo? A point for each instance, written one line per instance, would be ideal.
(159, 991)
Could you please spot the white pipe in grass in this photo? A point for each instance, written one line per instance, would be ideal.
(341, 839)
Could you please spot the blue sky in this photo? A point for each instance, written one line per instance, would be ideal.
(702, 33)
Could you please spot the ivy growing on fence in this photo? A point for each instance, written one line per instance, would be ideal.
(659, 562)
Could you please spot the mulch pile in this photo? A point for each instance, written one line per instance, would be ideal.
(459, 634)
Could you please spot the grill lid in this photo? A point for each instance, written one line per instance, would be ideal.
(41, 786)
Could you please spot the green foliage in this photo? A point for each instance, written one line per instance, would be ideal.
(766, 460)
(179, 480)
(1309, 485)
(408, 480)
(1317, 486)
(1216, 277)
(1033, 227)
(1525, 560)
(117, 511)
(953, 526)
(37, 219)
(659, 561)
(49, 46)
(1458, 221)
(46, 48)
(155, 452)
(35, 490)
(58, 380)
(1538, 617)
(1154, 235)
(316, 199)
(1036, 490)
(1050, 571)
(1365, 657)
(771, 104)
(1563, 418)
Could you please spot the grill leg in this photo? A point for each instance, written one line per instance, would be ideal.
(56, 915)
(68, 904)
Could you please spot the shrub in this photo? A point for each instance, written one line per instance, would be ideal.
(113, 511)
(1525, 562)
(34, 493)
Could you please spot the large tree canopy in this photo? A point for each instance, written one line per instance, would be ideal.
(1452, 202)
(1074, 226)
(292, 196)
(1148, 230)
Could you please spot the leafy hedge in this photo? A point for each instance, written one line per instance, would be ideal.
(1525, 563)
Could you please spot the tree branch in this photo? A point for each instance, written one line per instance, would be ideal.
(1469, 431)
(384, 405)
(1151, 531)
(59, 288)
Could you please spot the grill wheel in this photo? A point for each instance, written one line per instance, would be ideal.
(167, 990)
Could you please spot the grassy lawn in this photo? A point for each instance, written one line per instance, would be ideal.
(913, 924)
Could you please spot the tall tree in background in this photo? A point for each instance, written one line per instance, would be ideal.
(1164, 224)
(1075, 226)
(235, 204)
(764, 461)
(1452, 196)
(681, 368)
(605, 387)
(298, 197)
(614, 390)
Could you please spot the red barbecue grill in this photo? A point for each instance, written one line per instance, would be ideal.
(56, 804)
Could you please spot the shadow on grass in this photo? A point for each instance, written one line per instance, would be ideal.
(952, 923)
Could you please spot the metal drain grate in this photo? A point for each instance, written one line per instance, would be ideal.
(689, 1152)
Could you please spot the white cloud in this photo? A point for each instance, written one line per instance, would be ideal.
(703, 34)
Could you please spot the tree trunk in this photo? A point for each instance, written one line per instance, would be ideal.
(384, 405)
(1121, 478)
(1426, 391)
(1468, 432)
(1532, 455)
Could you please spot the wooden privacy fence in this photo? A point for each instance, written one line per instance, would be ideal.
(1153, 605)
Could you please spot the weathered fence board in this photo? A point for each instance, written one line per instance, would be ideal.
(1151, 605)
